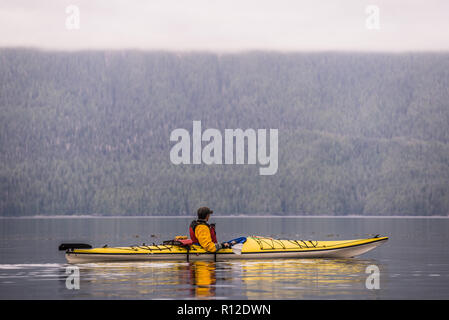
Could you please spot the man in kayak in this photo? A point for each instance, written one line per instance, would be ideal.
(203, 233)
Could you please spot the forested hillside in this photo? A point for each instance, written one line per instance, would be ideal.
(89, 132)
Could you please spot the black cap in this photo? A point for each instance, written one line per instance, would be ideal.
(203, 212)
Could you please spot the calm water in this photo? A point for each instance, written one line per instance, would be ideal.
(414, 263)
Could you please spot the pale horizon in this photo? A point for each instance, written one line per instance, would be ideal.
(226, 26)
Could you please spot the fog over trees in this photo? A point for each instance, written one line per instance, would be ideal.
(88, 132)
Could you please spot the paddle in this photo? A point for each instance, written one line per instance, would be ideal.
(237, 245)
(70, 246)
(237, 248)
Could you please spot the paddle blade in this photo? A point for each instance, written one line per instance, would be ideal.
(237, 248)
(69, 246)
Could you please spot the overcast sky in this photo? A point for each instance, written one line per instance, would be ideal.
(227, 25)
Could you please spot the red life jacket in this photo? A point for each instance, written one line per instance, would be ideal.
(195, 223)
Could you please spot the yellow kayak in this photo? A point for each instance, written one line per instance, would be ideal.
(253, 247)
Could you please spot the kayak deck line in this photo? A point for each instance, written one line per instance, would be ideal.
(316, 245)
(349, 244)
(253, 247)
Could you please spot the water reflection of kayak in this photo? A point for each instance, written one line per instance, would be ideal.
(252, 248)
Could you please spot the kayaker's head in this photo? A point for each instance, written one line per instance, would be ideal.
(204, 213)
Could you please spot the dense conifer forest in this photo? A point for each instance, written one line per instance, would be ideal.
(89, 132)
